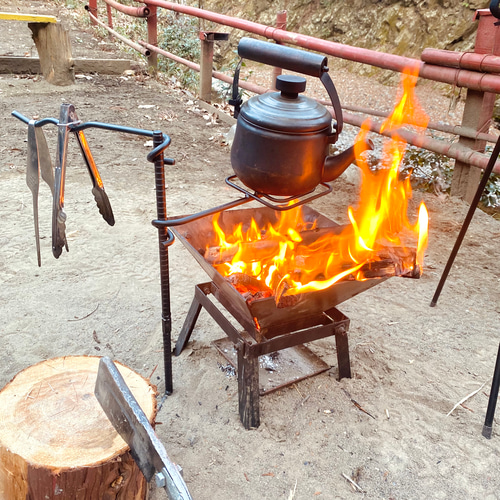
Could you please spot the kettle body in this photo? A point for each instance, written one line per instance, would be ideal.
(281, 140)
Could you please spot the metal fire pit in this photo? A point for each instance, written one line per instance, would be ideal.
(268, 330)
(272, 321)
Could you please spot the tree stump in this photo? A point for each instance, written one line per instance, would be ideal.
(54, 50)
(56, 442)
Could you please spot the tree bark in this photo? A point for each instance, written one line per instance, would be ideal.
(56, 442)
(54, 50)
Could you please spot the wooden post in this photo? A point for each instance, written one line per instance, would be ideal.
(56, 442)
(478, 110)
(152, 23)
(54, 50)
(248, 387)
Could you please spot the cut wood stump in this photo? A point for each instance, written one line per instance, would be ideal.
(54, 50)
(56, 442)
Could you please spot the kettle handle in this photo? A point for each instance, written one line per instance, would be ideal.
(296, 60)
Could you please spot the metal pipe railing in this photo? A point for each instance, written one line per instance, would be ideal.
(452, 76)
(125, 40)
(455, 151)
(486, 63)
(129, 10)
(439, 127)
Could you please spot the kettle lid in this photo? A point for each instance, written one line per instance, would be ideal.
(287, 110)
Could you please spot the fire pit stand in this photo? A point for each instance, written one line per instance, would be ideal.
(248, 348)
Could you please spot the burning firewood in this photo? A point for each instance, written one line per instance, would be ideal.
(388, 262)
(266, 247)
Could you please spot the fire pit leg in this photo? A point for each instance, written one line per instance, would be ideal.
(188, 326)
(248, 387)
(343, 353)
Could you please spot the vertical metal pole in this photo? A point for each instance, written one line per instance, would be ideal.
(478, 110)
(152, 37)
(163, 237)
(492, 403)
(280, 24)
(206, 66)
(467, 221)
(93, 11)
(110, 15)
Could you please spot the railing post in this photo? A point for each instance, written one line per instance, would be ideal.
(207, 39)
(152, 37)
(206, 65)
(93, 11)
(478, 110)
(110, 15)
(280, 24)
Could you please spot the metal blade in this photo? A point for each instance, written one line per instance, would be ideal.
(33, 181)
(131, 423)
(44, 159)
(58, 215)
(100, 195)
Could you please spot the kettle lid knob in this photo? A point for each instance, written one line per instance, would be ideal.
(290, 85)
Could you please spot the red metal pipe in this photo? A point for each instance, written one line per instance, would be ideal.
(129, 10)
(130, 43)
(92, 8)
(110, 15)
(256, 89)
(281, 24)
(367, 56)
(452, 150)
(441, 127)
(486, 63)
(461, 78)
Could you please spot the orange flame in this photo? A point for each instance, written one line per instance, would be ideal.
(379, 226)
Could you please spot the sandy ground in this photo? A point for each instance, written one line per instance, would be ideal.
(411, 363)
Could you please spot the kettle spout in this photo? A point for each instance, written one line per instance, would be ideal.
(335, 165)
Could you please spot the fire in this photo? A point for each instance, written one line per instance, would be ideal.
(293, 256)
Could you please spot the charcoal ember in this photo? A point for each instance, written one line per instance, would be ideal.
(250, 287)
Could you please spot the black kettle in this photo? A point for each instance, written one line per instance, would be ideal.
(281, 141)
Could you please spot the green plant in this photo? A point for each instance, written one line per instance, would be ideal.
(433, 172)
(179, 36)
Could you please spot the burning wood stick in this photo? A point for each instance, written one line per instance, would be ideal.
(266, 247)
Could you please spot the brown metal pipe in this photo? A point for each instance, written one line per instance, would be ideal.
(129, 10)
(486, 63)
(128, 42)
(152, 23)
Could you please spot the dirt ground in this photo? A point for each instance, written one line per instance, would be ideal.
(411, 363)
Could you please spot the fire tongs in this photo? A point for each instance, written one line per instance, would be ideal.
(131, 423)
(39, 161)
